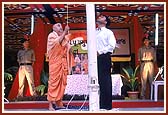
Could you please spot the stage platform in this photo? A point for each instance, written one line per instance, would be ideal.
(132, 105)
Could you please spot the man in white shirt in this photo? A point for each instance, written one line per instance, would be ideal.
(105, 45)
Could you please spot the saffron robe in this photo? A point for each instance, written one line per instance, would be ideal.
(60, 63)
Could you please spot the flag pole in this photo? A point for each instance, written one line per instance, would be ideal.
(93, 85)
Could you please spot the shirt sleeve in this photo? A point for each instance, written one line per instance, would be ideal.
(111, 43)
(154, 58)
(33, 56)
(18, 57)
(139, 54)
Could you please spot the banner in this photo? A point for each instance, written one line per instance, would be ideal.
(78, 42)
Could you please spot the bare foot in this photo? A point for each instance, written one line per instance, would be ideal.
(51, 109)
(59, 104)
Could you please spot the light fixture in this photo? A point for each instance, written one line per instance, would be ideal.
(32, 24)
(156, 28)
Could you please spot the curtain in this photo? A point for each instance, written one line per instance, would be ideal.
(138, 36)
(38, 42)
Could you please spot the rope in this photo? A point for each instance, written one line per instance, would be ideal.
(83, 103)
(70, 101)
(67, 16)
(67, 13)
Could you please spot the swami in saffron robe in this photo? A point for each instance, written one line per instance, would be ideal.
(60, 57)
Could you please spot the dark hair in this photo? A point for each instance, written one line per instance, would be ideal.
(22, 40)
(145, 38)
(108, 21)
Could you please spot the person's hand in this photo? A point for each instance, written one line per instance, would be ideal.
(71, 50)
(32, 63)
(67, 28)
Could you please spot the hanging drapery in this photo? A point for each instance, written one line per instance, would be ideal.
(38, 42)
(138, 36)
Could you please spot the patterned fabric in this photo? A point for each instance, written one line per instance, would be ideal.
(78, 84)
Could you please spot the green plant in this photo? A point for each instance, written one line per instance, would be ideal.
(131, 78)
(42, 89)
(8, 76)
(8, 79)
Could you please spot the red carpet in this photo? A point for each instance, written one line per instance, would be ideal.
(115, 104)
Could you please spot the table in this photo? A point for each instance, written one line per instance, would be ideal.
(78, 84)
(116, 84)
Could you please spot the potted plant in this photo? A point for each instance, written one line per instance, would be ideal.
(131, 80)
(8, 79)
(42, 89)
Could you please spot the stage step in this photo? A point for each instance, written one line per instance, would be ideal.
(115, 104)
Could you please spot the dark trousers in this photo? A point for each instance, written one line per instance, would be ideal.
(104, 79)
